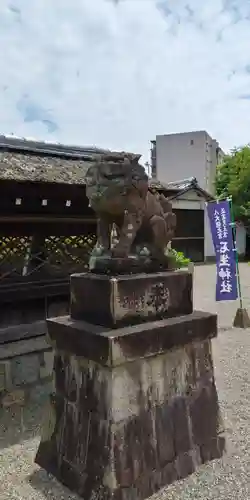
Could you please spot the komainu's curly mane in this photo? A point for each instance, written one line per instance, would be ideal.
(113, 176)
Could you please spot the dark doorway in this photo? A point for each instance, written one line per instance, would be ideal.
(189, 235)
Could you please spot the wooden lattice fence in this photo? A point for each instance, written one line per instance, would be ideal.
(43, 257)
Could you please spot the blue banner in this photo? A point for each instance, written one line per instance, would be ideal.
(220, 222)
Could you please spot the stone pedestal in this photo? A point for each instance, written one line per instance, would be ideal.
(129, 299)
(135, 408)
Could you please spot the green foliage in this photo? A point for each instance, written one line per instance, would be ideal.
(178, 258)
(233, 179)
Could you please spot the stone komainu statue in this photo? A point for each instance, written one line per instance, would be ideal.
(118, 191)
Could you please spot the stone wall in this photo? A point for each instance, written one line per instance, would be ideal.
(26, 359)
(24, 365)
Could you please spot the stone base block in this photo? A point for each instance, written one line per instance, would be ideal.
(123, 425)
(115, 301)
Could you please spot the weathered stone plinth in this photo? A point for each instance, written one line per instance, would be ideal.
(129, 299)
(135, 407)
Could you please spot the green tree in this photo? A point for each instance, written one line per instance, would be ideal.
(233, 179)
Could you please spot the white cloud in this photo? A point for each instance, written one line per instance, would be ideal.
(115, 74)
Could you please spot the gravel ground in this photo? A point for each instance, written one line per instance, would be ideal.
(220, 480)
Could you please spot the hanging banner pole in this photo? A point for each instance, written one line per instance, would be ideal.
(222, 235)
(223, 230)
(236, 251)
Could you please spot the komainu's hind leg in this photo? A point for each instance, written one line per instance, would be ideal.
(158, 227)
(170, 221)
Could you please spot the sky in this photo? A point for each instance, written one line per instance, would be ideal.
(115, 73)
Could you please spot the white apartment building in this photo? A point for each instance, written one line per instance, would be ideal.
(189, 154)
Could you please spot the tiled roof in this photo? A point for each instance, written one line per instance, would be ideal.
(182, 185)
(30, 160)
(38, 168)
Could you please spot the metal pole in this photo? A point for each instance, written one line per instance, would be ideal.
(236, 251)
